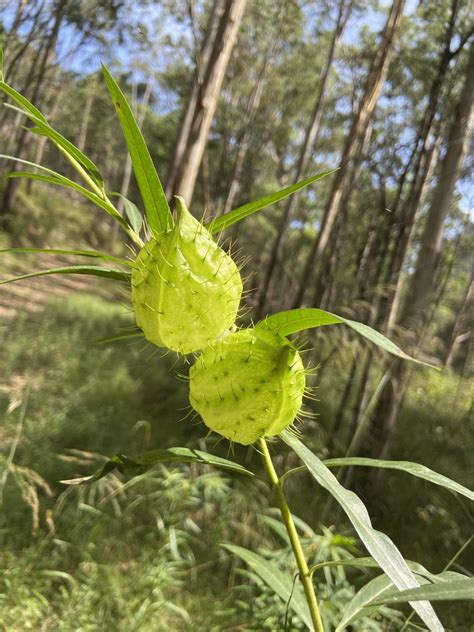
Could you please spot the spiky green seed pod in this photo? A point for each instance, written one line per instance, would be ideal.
(247, 385)
(185, 289)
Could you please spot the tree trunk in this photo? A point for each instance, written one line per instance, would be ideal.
(422, 281)
(249, 117)
(202, 60)
(11, 186)
(373, 87)
(461, 329)
(188, 154)
(404, 245)
(312, 131)
(451, 164)
(82, 138)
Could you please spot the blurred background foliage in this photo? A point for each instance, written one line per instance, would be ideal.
(145, 554)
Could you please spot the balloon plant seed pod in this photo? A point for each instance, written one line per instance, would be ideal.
(185, 289)
(247, 385)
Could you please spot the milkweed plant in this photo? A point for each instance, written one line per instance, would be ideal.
(246, 383)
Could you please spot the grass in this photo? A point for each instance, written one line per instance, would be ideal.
(140, 554)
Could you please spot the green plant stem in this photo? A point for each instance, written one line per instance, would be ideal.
(304, 573)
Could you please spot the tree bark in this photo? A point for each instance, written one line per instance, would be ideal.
(422, 282)
(311, 136)
(249, 116)
(451, 164)
(11, 186)
(461, 329)
(373, 87)
(199, 115)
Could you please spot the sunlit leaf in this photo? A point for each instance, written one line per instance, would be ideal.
(462, 589)
(139, 464)
(295, 320)
(281, 584)
(154, 199)
(415, 469)
(238, 214)
(360, 604)
(25, 105)
(379, 545)
(94, 254)
(118, 275)
(43, 128)
(59, 180)
(119, 337)
(370, 562)
(132, 212)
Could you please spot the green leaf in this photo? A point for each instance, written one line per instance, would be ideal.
(238, 214)
(371, 596)
(43, 128)
(379, 545)
(281, 584)
(70, 151)
(133, 214)
(147, 460)
(462, 589)
(360, 605)
(369, 562)
(415, 469)
(94, 254)
(119, 337)
(2, 76)
(154, 199)
(294, 320)
(59, 180)
(27, 107)
(118, 275)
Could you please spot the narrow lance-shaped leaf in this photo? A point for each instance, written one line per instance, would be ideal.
(132, 212)
(462, 589)
(360, 605)
(154, 199)
(94, 254)
(118, 275)
(378, 544)
(281, 584)
(370, 562)
(415, 469)
(119, 337)
(379, 591)
(238, 214)
(52, 177)
(294, 320)
(44, 129)
(139, 464)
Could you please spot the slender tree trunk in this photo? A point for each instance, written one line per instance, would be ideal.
(82, 138)
(11, 187)
(373, 87)
(202, 61)
(461, 330)
(451, 164)
(207, 98)
(405, 243)
(249, 117)
(422, 282)
(312, 131)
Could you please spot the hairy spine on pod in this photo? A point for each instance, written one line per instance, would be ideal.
(185, 289)
(248, 385)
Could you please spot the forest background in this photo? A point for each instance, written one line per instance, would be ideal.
(236, 99)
